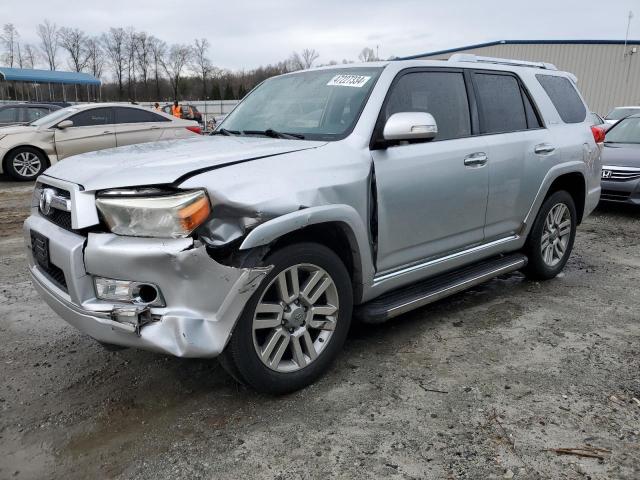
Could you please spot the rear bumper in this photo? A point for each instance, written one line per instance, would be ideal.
(204, 299)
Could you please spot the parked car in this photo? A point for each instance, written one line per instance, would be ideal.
(189, 112)
(414, 181)
(19, 113)
(621, 162)
(27, 150)
(619, 113)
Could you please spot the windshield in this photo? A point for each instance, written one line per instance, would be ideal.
(53, 116)
(319, 104)
(618, 113)
(625, 131)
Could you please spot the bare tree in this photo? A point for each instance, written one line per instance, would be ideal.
(73, 40)
(201, 62)
(9, 39)
(130, 41)
(367, 55)
(174, 63)
(144, 59)
(113, 44)
(158, 52)
(30, 56)
(294, 62)
(95, 56)
(309, 55)
(49, 42)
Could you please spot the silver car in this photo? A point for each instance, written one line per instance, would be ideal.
(365, 190)
(27, 150)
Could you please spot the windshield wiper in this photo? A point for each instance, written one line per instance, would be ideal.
(270, 132)
(225, 132)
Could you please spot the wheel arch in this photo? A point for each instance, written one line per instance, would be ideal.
(570, 177)
(338, 227)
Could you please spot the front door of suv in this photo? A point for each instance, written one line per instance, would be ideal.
(432, 197)
(519, 148)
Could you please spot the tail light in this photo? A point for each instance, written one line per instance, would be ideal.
(197, 130)
(598, 133)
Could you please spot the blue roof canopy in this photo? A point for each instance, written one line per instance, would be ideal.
(47, 76)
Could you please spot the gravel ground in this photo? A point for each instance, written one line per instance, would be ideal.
(481, 385)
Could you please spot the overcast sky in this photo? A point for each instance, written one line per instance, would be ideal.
(248, 33)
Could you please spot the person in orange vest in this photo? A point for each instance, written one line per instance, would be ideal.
(176, 110)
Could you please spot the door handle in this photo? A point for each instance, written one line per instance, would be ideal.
(106, 132)
(543, 148)
(477, 159)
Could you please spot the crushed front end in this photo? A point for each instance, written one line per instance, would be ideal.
(161, 294)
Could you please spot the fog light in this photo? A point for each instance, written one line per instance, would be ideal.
(128, 292)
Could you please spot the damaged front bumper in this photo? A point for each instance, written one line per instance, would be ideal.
(203, 298)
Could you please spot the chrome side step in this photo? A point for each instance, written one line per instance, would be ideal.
(420, 294)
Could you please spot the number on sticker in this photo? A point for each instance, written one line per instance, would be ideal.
(356, 81)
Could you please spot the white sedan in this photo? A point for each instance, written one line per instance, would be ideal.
(27, 150)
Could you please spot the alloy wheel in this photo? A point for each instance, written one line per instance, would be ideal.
(27, 164)
(295, 318)
(556, 234)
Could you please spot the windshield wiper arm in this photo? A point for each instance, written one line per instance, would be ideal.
(225, 132)
(270, 132)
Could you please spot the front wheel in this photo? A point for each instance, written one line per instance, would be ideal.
(295, 324)
(25, 163)
(551, 238)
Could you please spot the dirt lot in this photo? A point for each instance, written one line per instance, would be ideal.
(478, 386)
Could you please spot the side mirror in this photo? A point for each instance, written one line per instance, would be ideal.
(65, 124)
(410, 126)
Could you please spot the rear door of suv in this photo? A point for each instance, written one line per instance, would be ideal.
(518, 146)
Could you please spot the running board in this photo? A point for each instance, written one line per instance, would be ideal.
(420, 294)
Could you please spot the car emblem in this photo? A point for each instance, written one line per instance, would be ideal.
(606, 173)
(46, 197)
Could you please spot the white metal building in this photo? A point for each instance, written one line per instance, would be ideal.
(608, 71)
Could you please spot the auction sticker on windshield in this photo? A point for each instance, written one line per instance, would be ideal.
(357, 81)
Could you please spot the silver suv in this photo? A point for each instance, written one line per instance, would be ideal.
(357, 190)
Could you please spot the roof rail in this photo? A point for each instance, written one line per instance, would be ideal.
(469, 57)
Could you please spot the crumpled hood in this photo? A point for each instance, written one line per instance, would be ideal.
(621, 154)
(166, 161)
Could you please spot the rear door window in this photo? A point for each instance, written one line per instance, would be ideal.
(501, 104)
(564, 97)
(93, 117)
(136, 115)
(442, 94)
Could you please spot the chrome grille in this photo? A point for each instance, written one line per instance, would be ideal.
(621, 174)
(57, 211)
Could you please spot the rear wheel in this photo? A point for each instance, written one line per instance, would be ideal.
(295, 324)
(25, 163)
(551, 238)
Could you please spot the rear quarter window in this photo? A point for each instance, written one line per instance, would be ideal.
(564, 97)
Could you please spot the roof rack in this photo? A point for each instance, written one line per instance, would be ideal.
(469, 57)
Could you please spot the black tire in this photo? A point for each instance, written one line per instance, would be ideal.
(38, 163)
(240, 358)
(538, 268)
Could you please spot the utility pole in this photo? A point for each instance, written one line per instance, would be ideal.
(626, 38)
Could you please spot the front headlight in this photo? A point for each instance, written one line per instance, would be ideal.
(153, 213)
